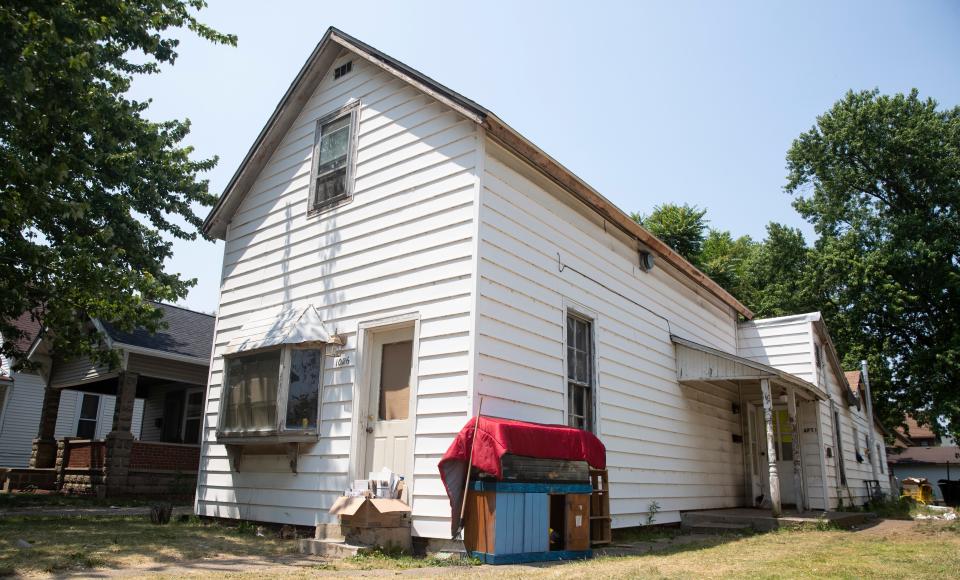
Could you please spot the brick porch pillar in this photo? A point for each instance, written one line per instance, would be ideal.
(119, 442)
(44, 452)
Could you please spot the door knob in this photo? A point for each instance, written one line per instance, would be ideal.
(369, 429)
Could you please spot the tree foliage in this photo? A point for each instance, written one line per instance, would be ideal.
(879, 178)
(681, 227)
(89, 187)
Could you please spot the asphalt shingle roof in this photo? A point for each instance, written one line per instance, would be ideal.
(187, 333)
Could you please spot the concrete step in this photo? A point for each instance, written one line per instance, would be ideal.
(331, 548)
(718, 528)
(758, 522)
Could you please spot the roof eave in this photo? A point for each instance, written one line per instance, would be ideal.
(520, 145)
(215, 224)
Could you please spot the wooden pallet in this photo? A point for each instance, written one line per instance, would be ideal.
(600, 508)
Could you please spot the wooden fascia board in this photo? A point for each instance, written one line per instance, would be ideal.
(774, 374)
(563, 177)
(283, 116)
(301, 88)
(425, 87)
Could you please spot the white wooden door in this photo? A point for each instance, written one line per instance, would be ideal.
(783, 443)
(388, 412)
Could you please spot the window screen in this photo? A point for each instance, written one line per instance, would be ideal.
(784, 433)
(331, 160)
(193, 417)
(303, 396)
(87, 421)
(579, 373)
(395, 363)
(251, 398)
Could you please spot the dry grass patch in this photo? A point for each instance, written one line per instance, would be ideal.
(62, 544)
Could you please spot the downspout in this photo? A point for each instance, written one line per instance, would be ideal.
(871, 444)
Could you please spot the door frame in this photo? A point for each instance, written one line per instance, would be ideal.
(755, 416)
(361, 391)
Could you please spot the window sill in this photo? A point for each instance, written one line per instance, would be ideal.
(266, 438)
(329, 206)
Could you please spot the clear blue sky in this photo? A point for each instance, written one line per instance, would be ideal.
(691, 102)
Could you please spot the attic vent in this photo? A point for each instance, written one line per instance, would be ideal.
(343, 69)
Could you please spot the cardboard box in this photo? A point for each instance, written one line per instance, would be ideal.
(362, 512)
(374, 522)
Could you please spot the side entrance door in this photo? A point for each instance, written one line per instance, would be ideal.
(388, 408)
(783, 446)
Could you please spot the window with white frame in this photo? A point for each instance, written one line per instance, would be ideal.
(273, 391)
(4, 389)
(87, 417)
(331, 180)
(580, 393)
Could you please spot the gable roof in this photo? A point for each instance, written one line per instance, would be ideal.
(30, 329)
(854, 380)
(309, 78)
(927, 455)
(914, 430)
(187, 333)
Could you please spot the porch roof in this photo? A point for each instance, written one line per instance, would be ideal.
(701, 363)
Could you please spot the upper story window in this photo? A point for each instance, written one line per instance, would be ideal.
(579, 373)
(333, 157)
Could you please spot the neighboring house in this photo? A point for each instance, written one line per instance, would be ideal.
(82, 415)
(911, 434)
(919, 452)
(394, 253)
(851, 446)
(135, 428)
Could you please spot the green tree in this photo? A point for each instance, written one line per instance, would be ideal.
(724, 258)
(776, 276)
(879, 178)
(682, 227)
(89, 187)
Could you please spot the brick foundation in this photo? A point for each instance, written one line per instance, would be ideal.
(164, 456)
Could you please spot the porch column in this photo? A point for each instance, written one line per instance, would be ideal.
(119, 442)
(44, 452)
(801, 497)
(771, 448)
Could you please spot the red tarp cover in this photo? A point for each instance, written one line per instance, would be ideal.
(496, 437)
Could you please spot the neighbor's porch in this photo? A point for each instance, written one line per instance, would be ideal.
(771, 406)
(164, 460)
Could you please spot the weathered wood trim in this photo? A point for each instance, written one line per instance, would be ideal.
(514, 142)
(800, 496)
(774, 482)
(412, 79)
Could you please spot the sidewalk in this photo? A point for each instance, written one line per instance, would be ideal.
(65, 511)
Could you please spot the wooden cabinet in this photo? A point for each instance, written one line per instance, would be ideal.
(577, 522)
(509, 523)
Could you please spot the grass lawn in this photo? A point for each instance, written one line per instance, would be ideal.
(61, 544)
(891, 549)
(18, 500)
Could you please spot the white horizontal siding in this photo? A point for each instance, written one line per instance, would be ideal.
(666, 442)
(20, 419)
(785, 346)
(403, 244)
(160, 368)
(67, 373)
(69, 411)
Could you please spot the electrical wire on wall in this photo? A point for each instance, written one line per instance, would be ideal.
(561, 267)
